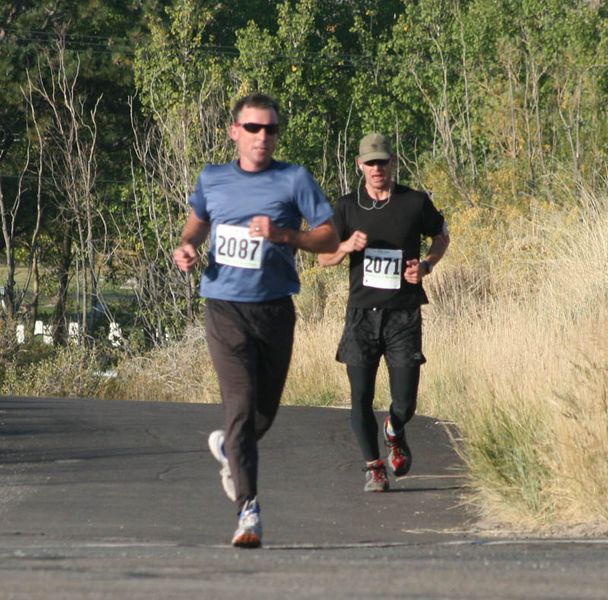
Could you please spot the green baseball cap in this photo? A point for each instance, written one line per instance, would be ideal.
(374, 146)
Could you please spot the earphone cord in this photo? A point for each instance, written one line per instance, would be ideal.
(376, 204)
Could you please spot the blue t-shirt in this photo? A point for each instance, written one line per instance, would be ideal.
(227, 195)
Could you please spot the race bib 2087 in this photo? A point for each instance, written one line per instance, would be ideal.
(235, 248)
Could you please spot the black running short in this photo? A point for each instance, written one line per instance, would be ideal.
(370, 333)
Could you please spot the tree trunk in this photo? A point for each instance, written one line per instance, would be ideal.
(60, 317)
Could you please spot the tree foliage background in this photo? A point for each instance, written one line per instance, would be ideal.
(490, 105)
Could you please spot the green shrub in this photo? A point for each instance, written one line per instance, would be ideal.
(71, 371)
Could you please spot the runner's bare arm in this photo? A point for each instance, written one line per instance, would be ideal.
(416, 269)
(439, 244)
(195, 232)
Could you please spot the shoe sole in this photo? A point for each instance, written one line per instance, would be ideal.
(213, 447)
(247, 540)
(377, 489)
(227, 482)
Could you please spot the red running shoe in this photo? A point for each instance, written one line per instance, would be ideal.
(399, 455)
(375, 477)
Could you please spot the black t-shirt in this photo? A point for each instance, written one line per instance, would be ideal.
(398, 226)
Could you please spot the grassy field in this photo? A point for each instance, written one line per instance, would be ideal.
(519, 360)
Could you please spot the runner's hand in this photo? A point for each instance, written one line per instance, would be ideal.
(262, 226)
(355, 243)
(185, 257)
(413, 271)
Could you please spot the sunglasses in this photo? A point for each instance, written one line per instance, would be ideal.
(271, 129)
(380, 162)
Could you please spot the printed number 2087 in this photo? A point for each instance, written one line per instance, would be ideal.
(242, 248)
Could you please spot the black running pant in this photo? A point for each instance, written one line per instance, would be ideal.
(250, 346)
(404, 391)
(369, 334)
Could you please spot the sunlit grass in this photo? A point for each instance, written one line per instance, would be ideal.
(523, 370)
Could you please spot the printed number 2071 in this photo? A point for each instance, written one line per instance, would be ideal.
(386, 265)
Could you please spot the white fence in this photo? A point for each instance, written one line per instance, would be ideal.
(74, 333)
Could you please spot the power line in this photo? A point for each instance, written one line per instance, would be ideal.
(72, 42)
(84, 42)
(47, 179)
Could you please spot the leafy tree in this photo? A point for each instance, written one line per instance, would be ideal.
(181, 93)
(96, 39)
(504, 89)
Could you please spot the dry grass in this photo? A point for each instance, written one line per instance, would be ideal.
(67, 372)
(182, 371)
(176, 372)
(522, 369)
(577, 462)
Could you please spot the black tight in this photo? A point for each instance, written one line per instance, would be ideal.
(404, 391)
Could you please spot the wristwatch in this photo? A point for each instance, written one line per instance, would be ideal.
(428, 266)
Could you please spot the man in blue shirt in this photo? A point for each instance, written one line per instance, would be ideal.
(251, 209)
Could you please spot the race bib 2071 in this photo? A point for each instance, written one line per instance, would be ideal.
(382, 268)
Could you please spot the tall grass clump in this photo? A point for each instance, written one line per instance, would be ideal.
(517, 333)
(8, 345)
(579, 425)
(177, 371)
(69, 372)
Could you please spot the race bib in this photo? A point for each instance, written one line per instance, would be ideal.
(235, 248)
(382, 268)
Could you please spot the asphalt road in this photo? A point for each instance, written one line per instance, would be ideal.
(108, 499)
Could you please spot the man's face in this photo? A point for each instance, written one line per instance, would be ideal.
(255, 148)
(377, 174)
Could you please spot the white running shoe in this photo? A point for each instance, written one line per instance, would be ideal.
(216, 445)
(249, 531)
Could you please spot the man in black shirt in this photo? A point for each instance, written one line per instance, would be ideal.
(380, 226)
